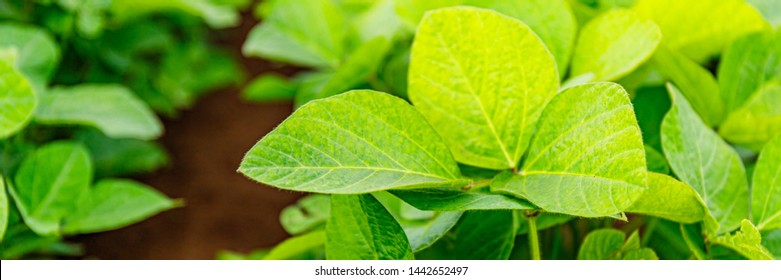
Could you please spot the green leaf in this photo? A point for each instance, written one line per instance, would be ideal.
(357, 142)
(17, 101)
(651, 104)
(216, 14)
(602, 244)
(700, 29)
(552, 20)
(304, 32)
(3, 208)
(613, 44)
(116, 157)
(670, 199)
(769, 9)
(380, 20)
(758, 120)
(772, 241)
(479, 235)
(641, 254)
(357, 69)
(455, 200)
(694, 240)
(309, 213)
(422, 228)
(704, 161)
(544, 221)
(656, 161)
(412, 11)
(37, 52)
(747, 242)
(481, 79)
(361, 229)
(49, 184)
(587, 157)
(766, 190)
(749, 63)
(305, 247)
(269, 88)
(696, 83)
(113, 109)
(115, 203)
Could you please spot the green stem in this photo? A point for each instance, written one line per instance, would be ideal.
(478, 184)
(534, 242)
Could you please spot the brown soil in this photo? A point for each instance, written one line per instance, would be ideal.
(224, 210)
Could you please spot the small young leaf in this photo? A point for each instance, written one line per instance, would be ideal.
(602, 244)
(114, 110)
(455, 200)
(670, 199)
(704, 161)
(749, 63)
(305, 247)
(49, 184)
(304, 32)
(747, 242)
(17, 101)
(587, 156)
(356, 142)
(552, 20)
(115, 203)
(308, 213)
(269, 88)
(481, 79)
(3, 208)
(766, 190)
(758, 120)
(613, 44)
(703, 28)
(37, 53)
(361, 229)
(695, 83)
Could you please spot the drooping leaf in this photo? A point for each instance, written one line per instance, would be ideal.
(481, 79)
(747, 242)
(602, 244)
(551, 20)
(422, 228)
(701, 159)
(357, 142)
(3, 208)
(49, 184)
(656, 161)
(304, 247)
(758, 120)
(587, 156)
(37, 53)
(613, 44)
(455, 200)
(766, 190)
(269, 88)
(670, 199)
(115, 203)
(749, 63)
(113, 109)
(361, 229)
(479, 235)
(700, 29)
(301, 32)
(696, 83)
(116, 157)
(17, 101)
(309, 213)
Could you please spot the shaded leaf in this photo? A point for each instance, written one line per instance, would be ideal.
(309, 213)
(37, 53)
(670, 199)
(479, 235)
(651, 104)
(766, 190)
(269, 88)
(694, 240)
(656, 161)
(455, 200)
(116, 157)
(422, 228)
(3, 208)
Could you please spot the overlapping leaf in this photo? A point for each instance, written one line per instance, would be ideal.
(422, 228)
(17, 101)
(757, 121)
(37, 53)
(766, 190)
(747, 242)
(455, 200)
(670, 199)
(749, 63)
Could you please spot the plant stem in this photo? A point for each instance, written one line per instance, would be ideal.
(534, 242)
(478, 184)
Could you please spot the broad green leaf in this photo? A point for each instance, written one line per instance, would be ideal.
(664, 237)
(479, 235)
(17, 101)
(217, 14)
(641, 254)
(361, 229)
(696, 83)
(37, 53)
(301, 32)
(613, 44)
(455, 200)
(113, 109)
(758, 120)
(602, 244)
(655, 161)
(49, 184)
(362, 63)
(651, 104)
(701, 29)
(772, 241)
(670, 199)
(769, 9)
(116, 157)
(694, 240)
(747, 242)
(357, 142)
(304, 247)
(766, 190)
(422, 228)
(587, 156)
(481, 79)
(749, 63)
(3, 208)
(115, 203)
(412, 11)
(269, 88)
(704, 161)
(309, 213)
(551, 20)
